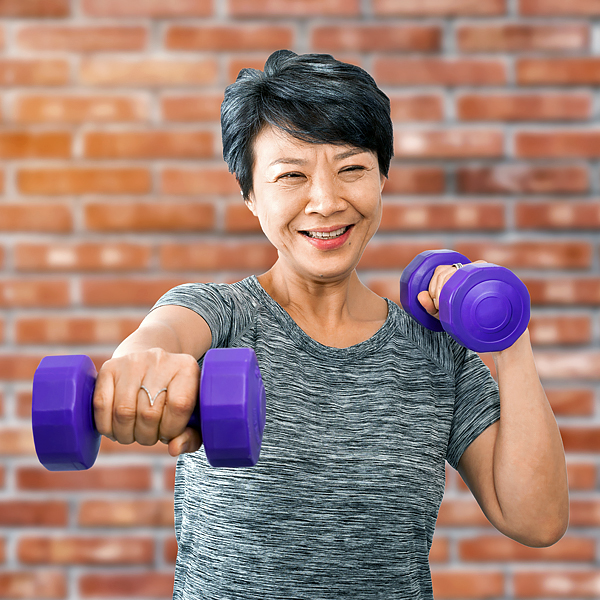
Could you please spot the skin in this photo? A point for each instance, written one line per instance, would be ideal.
(515, 469)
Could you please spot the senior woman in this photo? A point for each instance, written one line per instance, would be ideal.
(364, 405)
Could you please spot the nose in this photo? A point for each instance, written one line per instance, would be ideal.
(324, 196)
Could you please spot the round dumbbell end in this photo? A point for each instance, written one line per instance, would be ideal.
(232, 406)
(415, 279)
(485, 307)
(64, 432)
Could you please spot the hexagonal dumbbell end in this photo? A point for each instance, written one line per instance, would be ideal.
(64, 432)
(485, 307)
(232, 406)
(415, 279)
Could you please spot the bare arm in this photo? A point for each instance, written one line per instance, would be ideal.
(516, 469)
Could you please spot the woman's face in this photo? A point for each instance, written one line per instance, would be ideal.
(318, 204)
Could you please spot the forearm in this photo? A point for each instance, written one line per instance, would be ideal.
(147, 336)
(529, 463)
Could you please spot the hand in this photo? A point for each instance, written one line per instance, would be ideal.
(122, 409)
(430, 298)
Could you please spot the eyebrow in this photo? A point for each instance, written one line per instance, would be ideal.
(302, 162)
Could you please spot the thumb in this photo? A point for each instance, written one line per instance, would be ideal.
(188, 441)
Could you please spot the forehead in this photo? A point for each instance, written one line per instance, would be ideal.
(274, 146)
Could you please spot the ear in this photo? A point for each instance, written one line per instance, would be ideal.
(249, 201)
(382, 180)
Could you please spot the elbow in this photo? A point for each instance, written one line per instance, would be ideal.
(545, 534)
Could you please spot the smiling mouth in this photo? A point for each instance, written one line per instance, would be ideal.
(330, 235)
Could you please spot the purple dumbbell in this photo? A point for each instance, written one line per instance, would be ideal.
(230, 413)
(483, 306)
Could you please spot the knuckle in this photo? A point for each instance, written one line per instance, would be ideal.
(124, 413)
(179, 405)
(148, 416)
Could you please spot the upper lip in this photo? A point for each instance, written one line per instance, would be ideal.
(326, 229)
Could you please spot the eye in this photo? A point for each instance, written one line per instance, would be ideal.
(353, 169)
(291, 175)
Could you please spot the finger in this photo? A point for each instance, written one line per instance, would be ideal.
(102, 402)
(427, 303)
(188, 441)
(150, 406)
(181, 399)
(127, 387)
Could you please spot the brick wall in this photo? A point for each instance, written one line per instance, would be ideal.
(113, 190)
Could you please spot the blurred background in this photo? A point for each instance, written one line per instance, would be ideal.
(113, 190)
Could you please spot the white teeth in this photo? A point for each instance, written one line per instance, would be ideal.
(327, 236)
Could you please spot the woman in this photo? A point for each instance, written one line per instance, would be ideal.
(364, 405)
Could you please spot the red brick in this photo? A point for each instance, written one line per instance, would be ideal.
(553, 8)
(218, 256)
(571, 402)
(33, 584)
(203, 180)
(563, 291)
(82, 257)
(421, 107)
(221, 38)
(580, 439)
(517, 37)
(35, 8)
(205, 107)
(584, 513)
(531, 254)
(126, 513)
(415, 180)
(148, 72)
(149, 216)
(82, 180)
(21, 293)
(498, 548)
(439, 71)
(20, 72)
(421, 216)
(461, 584)
(77, 109)
(524, 107)
(554, 330)
(119, 585)
(85, 550)
(148, 144)
(82, 39)
(47, 217)
(247, 62)
(14, 367)
(118, 479)
(23, 406)
(522, 178)
(74, 330)
(582, 477)
(170, 550)
(16, 441)
(569, 214)
(439, 8)
(148, 8)
(557, 144)
(558, 71)
(581, 364)
(383, 38)
(294, 8)
(556, 583)
(238, 219)
(456, 143)
(440, 550)
(34, 513)
(15, 144)
(126, 292)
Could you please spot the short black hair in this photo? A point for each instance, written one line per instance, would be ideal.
(314, 98)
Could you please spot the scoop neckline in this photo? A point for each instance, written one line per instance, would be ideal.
(304, 341)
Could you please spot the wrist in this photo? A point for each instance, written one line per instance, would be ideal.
(521, 345)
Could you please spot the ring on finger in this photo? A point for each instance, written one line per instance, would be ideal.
(150, 397)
